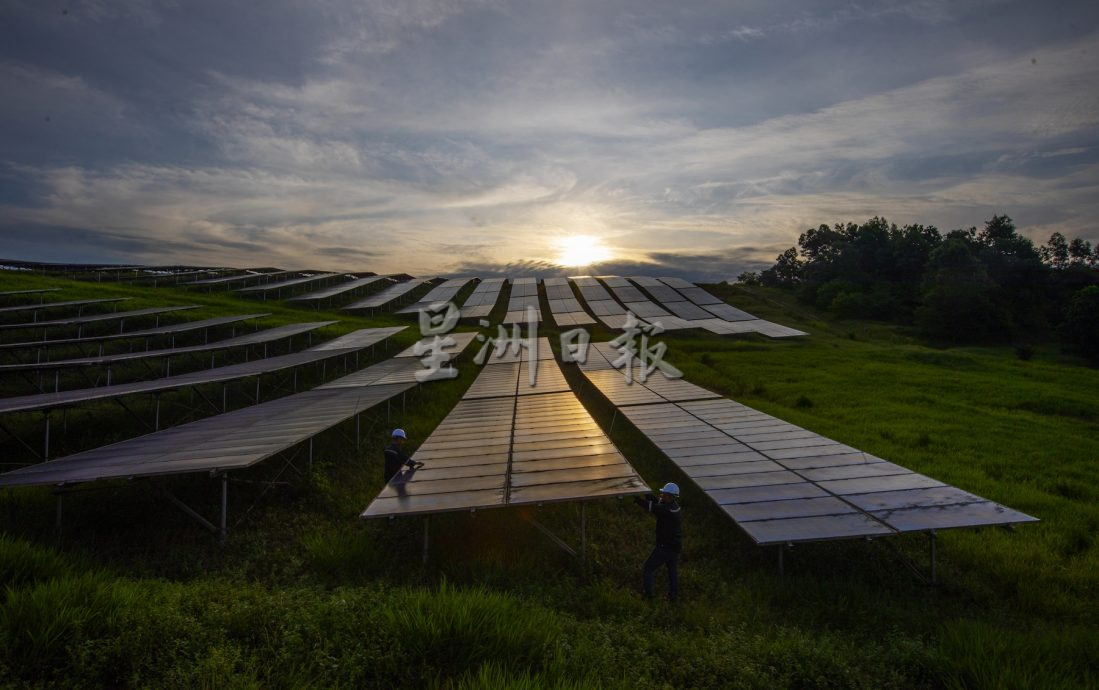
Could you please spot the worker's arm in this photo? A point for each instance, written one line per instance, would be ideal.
(648, 502)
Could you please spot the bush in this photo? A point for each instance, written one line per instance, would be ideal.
(1081, 326)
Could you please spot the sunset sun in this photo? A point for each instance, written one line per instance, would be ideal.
(581, 250)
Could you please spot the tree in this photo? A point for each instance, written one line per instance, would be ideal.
(1081, 326)
(957, 302)
(748, 278)
(1079, 252)
(1056, 252)
(786, 271)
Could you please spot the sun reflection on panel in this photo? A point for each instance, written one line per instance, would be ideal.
(581, 250)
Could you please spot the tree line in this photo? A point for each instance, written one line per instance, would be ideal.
(969, 285)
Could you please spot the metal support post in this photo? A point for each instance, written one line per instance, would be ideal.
(156, 425)
(46, 446)
(427, 523)
(224, 531)
(934, 571)
(583, 532)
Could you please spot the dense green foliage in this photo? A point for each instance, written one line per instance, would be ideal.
(969, 286)
(303, 594)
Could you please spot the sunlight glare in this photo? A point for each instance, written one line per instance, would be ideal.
(581, 250)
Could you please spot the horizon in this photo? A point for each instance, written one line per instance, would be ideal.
(482, 138)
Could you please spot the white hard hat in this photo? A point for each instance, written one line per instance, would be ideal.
(399, 433)
(670, 488)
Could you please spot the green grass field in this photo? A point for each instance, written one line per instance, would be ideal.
(303, 594)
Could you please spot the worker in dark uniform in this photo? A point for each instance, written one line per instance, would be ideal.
(669, 538)
(395, 457)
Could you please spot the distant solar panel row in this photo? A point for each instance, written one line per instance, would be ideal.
(241, 277)
(605, 308)
(143, 333)
(442, 293)
(333, 348)
(93, 318)
(292, 282)
(38, 306)
(387, 295)
(524, 293)
(337, 290)
(564, 306)
(785, 484)
(254, 338)
(483, 298)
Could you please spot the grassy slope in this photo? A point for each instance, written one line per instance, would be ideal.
(303, 594)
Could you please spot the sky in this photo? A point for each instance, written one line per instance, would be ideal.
(445, 137)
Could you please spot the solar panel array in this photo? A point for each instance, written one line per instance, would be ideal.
(442, 293)
(336, 290)
(233, 440)
(524, 293)
(38, 306)
(143, 333)
(506, 443)
(564, 307)
(333, 348)
(94, 318)
(605, 308)
(255, 338)
(241, 277)
(784, 484)
(483, 299)
(640, 305)
(292, 282)
(387, 295)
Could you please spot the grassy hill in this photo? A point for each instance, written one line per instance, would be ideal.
(303, 594)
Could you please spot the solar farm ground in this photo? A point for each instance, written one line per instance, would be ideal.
(303, 593)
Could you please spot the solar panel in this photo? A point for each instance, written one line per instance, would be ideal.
(53, 305)
(93, 318)
(292, 282)
(335, 290)
(442, 293)
(255, 338)
(334, 348)
(7, 293)
(524, 293)
(483, 298)
(564, 307)
(143, 333)
(461, 340)
(510, 450)
(233, 440)
(779, 482)
(227, 280)
(387, 295)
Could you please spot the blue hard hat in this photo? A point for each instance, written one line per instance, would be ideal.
(399, 433)
(670, 488)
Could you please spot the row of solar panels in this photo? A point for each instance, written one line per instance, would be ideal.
(780, 483)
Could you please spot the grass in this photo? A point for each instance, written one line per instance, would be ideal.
(305, 595)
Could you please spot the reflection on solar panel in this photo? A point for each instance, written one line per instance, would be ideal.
(255, 338)
(335, 290)
(292, 282)
(510, 447)
(524, 293)
(333, 348)
(53, 305)
(233, 440)
(697, 308)
(144, 333)
(640, 305)
(564, 307)
(93, 318)
(387, 295)
(442, 293)
(484, 297)
(783, 484)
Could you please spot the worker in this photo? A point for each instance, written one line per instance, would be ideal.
(669, 538)
(395, 457)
